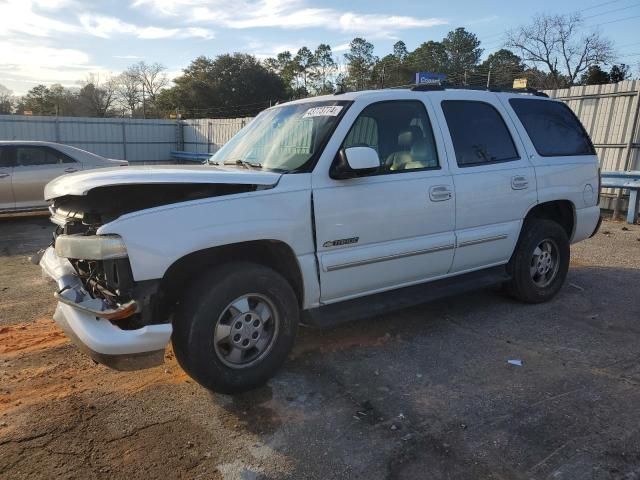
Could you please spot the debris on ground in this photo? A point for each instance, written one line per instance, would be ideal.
(577, 287)
(516, 362)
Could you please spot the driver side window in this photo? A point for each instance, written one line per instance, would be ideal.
(400, 132)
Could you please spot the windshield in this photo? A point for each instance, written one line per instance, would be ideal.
(283, 138)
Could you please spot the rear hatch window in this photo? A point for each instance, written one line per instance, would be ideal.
(553, 128)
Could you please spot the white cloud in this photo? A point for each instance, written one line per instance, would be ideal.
(24, 63)
(343, 47)
(20, 18)
(105, 26)
(286, 14)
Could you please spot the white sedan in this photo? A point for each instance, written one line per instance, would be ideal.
(27, 166)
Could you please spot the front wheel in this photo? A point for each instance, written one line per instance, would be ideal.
(235, 327)
(539, 264)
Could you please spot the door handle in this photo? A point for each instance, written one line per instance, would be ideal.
(519, 182)
(70, 170)
(2, 175)
(440, 193)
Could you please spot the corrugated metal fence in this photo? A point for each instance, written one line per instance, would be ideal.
(136, 140)
(121, 138)
(207, 135)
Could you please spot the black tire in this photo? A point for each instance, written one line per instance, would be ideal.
(199, 314)
(522, 285)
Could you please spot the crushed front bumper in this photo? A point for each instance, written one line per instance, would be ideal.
(86, 322)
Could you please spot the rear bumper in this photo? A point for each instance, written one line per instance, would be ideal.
(587, 222)
(597, 227)
(82, 318)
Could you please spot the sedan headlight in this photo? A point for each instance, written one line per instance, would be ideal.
(92, 247)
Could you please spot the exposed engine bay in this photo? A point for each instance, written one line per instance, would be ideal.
(111, 280)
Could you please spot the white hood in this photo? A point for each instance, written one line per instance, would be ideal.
(81, 182)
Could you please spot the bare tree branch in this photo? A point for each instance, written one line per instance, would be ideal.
(553, 40)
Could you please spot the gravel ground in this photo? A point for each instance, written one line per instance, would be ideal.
(423, 393)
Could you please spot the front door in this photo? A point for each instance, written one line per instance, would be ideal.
(494, 181)
(392, 227)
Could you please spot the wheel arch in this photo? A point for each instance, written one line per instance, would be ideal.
(561, 211)
(274, 254)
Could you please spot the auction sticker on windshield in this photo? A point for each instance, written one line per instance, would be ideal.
(329, 111)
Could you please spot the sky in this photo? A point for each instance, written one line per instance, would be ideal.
(63, 41)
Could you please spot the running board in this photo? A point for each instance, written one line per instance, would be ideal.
(380, 303)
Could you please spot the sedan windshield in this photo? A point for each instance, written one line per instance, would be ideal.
(284, 139)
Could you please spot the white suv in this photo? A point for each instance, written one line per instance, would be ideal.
(320, 210)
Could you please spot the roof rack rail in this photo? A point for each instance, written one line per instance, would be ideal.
(529, 90)
(439, 87)
(427, 87)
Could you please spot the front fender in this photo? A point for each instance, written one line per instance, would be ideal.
(156, 238)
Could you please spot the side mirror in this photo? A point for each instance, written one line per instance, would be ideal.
(353, 162)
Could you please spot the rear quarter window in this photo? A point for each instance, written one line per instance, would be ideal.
(553, 128)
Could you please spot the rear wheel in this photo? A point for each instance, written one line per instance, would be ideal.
(540, 262)
(235, 327)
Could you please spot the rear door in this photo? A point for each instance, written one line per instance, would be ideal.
(6, 170)
(36, 166)
(495, 183)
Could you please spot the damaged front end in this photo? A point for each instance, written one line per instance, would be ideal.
(118, 321)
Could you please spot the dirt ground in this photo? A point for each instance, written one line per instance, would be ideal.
(423, 393)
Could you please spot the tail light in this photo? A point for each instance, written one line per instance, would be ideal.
(599, 185)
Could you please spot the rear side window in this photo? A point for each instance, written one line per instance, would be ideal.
(552, 127)
(478, 132)
(29, 156)
(58, 156)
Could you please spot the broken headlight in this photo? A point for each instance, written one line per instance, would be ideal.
(90, 247)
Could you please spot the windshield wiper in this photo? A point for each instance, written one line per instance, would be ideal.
(244, 163)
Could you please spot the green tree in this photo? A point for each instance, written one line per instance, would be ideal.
(391, 72)
(286, 68)
(6, 100)
(98, 97)
(323, 69)
(429, 57)
(38, 100)
(595, 76)
(360, 61)
(400, 51)
(619, 72)
(227, 86)
(504, 66)
(305, 61)
(463, 52)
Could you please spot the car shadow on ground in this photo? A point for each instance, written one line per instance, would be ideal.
(430, 388)
(425, 392)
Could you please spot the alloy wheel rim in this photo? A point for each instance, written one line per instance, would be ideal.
(246, 330)
(545, 263)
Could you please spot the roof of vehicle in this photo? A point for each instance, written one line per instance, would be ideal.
(391, 93)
